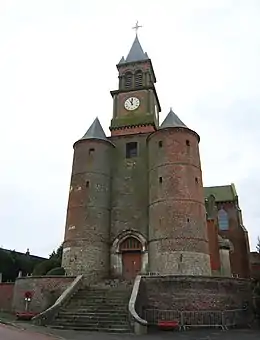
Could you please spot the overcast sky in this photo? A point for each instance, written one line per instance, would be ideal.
(57, 65)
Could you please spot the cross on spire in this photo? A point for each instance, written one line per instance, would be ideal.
(136, 27)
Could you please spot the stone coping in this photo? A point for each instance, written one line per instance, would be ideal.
(132, 301)
(196, 278)
(46, 277)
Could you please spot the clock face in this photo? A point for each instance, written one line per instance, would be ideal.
(132, 103)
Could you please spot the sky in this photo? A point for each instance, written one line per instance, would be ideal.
(57, 67)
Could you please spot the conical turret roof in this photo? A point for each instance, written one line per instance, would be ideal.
(136, 52)
(172, 120)
(95, 131)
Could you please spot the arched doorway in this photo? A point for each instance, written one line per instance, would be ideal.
(131, 249)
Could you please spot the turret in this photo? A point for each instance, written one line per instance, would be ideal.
(86, 242)
(178, 242)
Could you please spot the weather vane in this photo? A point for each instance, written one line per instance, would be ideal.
(136, 27)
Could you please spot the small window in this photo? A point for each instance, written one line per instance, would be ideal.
(160, 144)
(196, 180)
(188, 220)
(131, 150)
(160, 179)
(223, 222)
(187, 142)
(91, 151)
(87, 184)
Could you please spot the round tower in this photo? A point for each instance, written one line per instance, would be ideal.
(178, 242)
(86, 242)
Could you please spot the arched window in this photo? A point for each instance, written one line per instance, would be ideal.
(223, 220)
(131, 244)
(128, 80)
(138, 78)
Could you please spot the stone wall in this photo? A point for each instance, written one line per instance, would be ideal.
(86, 241)
(196, 293)
(6, 296)
(178, 240)
(129, 205)
(45, 290)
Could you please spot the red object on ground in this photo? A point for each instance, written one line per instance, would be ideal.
(168, 324)
(25, 315)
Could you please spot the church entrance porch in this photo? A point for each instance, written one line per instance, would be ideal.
(129, 255)
(131, 249)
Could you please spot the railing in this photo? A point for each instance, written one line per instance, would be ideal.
(186, 319)
(139, 324)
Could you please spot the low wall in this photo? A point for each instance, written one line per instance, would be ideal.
(44, 289)
(6, 296)
(196, 293)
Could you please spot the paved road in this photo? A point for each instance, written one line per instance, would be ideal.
(11, 333)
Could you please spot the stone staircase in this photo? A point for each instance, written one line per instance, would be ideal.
(98, 308)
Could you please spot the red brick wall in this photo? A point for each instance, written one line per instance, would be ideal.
(255, 265)
(6, 296)
(195, 293)
(239, 258)
(213, 245)
(45, 291)
(133, 130)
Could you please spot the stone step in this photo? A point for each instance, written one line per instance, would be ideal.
(96, 310)
(96, 304)
(83, 321)
(93, 315)
(83, 312)
(105, 291)
(93, 328)
(101, 298)
(106, 304)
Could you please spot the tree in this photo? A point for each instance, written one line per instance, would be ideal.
(57, 254)
(53, 262)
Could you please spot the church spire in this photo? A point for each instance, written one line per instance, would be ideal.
(172, 120)
(95, 131)
(136, 52)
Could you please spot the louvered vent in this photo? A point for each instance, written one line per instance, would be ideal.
(128, 80)
(139, 79)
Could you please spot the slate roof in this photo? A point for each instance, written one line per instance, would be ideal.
(95, 131)
(172, 120)
(222, 193)
(24, 255)
(136, 53)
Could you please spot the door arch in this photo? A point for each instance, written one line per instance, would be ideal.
(131, 249)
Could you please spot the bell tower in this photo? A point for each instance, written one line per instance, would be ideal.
(136, 105)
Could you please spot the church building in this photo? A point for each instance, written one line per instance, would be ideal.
(136, 199)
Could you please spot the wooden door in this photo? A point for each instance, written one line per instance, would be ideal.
(131, 264)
